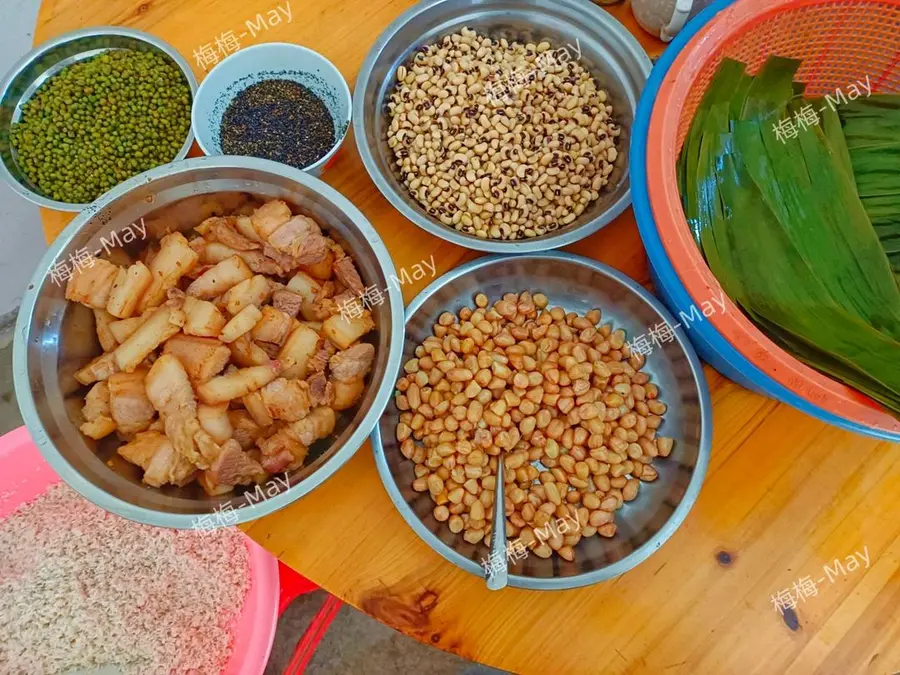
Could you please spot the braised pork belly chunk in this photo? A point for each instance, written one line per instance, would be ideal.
(227, 350)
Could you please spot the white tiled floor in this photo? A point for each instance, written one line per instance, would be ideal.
(21, 238)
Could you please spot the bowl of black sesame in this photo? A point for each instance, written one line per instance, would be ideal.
(276, 101)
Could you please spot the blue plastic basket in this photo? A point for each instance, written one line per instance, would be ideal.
(710, 344)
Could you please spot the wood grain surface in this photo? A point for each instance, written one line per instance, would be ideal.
(784, 496)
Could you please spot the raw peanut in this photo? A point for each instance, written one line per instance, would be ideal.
(664, 445)
(524, 399)
(630, 491)
(649, 474)
(475, 536)
(600, 517)
(459, 375)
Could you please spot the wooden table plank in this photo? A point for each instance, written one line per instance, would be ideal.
(784, 495)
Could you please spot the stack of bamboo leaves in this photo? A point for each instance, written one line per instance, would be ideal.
(800, 223)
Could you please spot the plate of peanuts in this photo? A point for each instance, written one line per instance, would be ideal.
(544, 362)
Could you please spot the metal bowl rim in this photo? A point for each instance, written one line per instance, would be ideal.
(141, 514)
(563, 237)
(345, 93)
(41, 49)
(680, 512)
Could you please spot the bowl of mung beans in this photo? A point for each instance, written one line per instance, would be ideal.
(542, 361)
(502, 126)
(89, 109)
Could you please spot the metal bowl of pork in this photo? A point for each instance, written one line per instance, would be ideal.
(601, 45)
(54, 338)
(643, 525)
(48, 59)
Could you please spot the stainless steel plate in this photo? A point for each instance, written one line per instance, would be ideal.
(614, 57)
(578, 285)
(42, 63)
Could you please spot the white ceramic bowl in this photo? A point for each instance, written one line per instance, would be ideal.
(272, 60)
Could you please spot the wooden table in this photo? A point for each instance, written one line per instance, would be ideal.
(784, 495)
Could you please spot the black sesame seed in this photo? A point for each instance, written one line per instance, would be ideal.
(279, 120)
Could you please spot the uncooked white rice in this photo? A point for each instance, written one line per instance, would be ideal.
(82, 588)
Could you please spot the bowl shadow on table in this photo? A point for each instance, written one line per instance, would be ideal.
(643, 524)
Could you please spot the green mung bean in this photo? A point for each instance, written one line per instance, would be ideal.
(100, 121)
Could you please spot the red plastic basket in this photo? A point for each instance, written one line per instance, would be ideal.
(841, 42)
